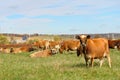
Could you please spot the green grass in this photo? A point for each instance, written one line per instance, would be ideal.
(58, 67)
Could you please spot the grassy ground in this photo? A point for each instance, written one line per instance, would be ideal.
(58, 67)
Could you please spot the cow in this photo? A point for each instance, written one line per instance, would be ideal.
(21, 49)
(54, 45)
(15, 50)
(43, 53)
(118, 45)
(27, 48)
(42, 44)
(112, 44)
(5, 50)
(96, 48)
(67, 45)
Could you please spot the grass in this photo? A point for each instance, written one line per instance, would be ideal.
(58, 67)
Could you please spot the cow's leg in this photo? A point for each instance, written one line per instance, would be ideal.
(101, 62)
(86, 60)
(109, 60)
(92, 62)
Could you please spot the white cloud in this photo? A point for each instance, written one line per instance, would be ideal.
(24, 22)
(59, 7)
(25, 25)
(31, 8)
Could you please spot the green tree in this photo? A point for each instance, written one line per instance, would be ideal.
(32, 41)
(3, 40)
(57, 38)
(97, 36)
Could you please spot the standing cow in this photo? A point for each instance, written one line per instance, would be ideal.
(112, 44)
(94, 49)
(68, 45)
(42, 44)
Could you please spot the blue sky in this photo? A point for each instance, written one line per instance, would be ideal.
(59, 16)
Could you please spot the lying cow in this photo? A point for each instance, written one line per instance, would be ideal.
(5, 50)
(22, 49)
(44, 53)
(94, 49)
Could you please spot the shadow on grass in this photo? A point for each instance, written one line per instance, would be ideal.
(83, 65)
(78, 65)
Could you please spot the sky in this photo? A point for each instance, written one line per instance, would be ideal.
(59, 16)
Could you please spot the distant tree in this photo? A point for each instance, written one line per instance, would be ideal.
(57, 38)
(36, 34)
(32, 41)
(3, 40)
(97, 36)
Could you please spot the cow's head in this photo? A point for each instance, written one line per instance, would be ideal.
(54, 51)
(79, 51)
(61, 50)
(83, 39)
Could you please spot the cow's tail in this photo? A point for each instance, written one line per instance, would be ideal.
(108, 53)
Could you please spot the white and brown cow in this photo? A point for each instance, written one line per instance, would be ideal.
(94, 49)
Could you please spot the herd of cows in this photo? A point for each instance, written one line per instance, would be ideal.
(91, 48)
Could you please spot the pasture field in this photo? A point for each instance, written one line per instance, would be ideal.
(65, 66)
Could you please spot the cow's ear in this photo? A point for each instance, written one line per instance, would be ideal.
(88, 36)
(77, 37)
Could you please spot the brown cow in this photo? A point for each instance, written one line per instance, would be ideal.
(5, 50)
(44, 53)
(43, 44)
(54, 44)
(112, 43)
(21, 49)
(118, 45)
(15, 50)
(94, 49)
(69, 45)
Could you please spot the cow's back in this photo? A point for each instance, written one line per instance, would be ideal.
(97, 48)
(69, 45)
